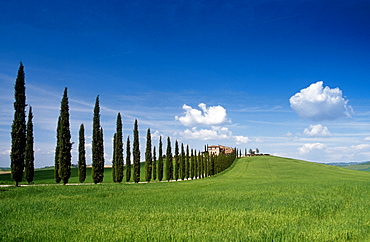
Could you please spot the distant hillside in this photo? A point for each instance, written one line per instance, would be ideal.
(343, 164)
(364, 166)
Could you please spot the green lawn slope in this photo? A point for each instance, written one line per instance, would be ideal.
(257, 199)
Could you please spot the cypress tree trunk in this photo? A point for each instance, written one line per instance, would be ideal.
(136, 153)
(81, 155)
(97, 146)
(18, 132)
(160, 160)
(148, 157)
(119, 150)
(128, 160)
(169, 163)
(64, 155)
(177, 161)
(57, 149)
(29, 171)
(154, 165)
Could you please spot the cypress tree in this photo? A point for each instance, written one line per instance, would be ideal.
(128, 160)
(97, 146)
(206, 162)
(29, 156)
(56, 158)
(187, 163)
(81, 155)
(64, 155)
(182, 162)
(160, 160)
(118, 162)
(177, 161)
(169, 164)
(200, 163)
(154, 165)
(18, 132)
(192, 165)
(196, 165)
(136, 153)
(148, 157)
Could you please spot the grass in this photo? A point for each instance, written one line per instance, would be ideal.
(257, 199)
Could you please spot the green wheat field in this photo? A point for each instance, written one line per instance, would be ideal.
(256, 199)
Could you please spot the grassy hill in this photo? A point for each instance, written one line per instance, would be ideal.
(257, 199)
(359, 167)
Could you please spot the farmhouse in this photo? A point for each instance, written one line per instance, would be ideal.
(218, 149)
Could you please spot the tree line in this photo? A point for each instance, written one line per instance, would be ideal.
(183, 163)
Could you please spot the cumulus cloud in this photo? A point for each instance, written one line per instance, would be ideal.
(213, 134)
(314, 147)
(241, 139)
(320, 103)
(317, 130)
(214, 115)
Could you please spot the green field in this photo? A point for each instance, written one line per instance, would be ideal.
(257, 199)
(46, 176)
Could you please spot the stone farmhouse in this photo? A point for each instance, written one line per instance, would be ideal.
(218, 149)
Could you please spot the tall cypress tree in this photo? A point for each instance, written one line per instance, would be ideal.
(177, 161)
(29, 156)
(169, 163)
(81, 155)
(18, 127)
(148, 157)
(64, 155)
(182, 162)
(56, 158)
(192, 165)
(118, 162)
(154, 165)
(196, 164)
(97, 146)
(128, 160)
(187, 163)
(160, 160)
(136, 153)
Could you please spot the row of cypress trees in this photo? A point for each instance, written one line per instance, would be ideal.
(22, 152)
(180, 166)
(62, 162)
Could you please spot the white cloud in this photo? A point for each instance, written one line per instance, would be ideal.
(214, 115)
(314, 147)
(318, 103)
(241, 139)
(215, 133)
(317, 130)
(367, 138)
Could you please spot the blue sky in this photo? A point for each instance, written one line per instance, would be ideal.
(288, 77)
